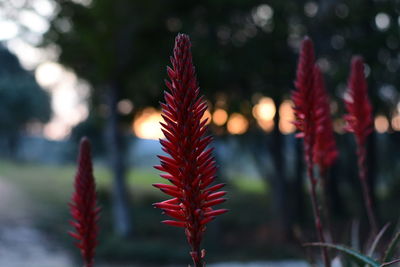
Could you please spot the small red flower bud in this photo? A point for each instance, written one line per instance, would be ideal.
(359, 117)
(304, 98)
(83, 206)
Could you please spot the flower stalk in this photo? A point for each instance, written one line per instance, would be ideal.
(360, 123)
(325, 151)
(306, 109)
(190, 166)
(83, 206)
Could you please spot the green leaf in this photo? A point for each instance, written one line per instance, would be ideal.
(391, 248)
(350, 252)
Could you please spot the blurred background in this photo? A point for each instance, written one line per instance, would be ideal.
(70, 68)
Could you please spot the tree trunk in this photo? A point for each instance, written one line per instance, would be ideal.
(115, 145)
(13, 140)
(297, 193)
(371, 172)
(334, 200)
(279, 182)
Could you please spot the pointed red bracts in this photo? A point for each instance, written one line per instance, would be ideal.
(359, 121)
(359, 117)
(308, 112)
(304, 99)
(311, 107)
(325, 150)
(83, 206)
(190, 166)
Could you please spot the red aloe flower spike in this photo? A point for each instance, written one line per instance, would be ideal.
(191, 167)
(359, 117)
(359, 121)
(325, 150)
(305, 109)
(303, 98)
(83, 206)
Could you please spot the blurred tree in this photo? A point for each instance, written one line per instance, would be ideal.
(241, 48)
(96, 43)
(121, 48)
(21, 99)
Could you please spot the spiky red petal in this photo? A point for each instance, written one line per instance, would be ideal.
(325, 151)
(307, 110)
(360, 122)
(190, 166)
(83, 206)
(359, 117)
(304, 98)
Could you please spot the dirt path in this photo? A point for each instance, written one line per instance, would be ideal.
(21, 245)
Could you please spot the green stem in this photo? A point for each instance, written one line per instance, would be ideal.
(362, 173)
(316, 206)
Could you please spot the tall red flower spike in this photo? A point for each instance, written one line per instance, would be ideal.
(306, 109)
(190, 166)
(83, 206)
(304, 99)
(359, 121)
(325, 150)
(359, 117)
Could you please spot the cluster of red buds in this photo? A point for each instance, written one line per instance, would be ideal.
(190, 166)
(325, 150)
(313, 120)
(311, 108)
(83, 206)
(359, 117)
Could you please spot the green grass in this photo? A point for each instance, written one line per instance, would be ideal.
(249, 185)
(49, 188)
(54, 182)
(49, 183)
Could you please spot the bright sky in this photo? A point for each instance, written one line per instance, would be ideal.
(22, 25)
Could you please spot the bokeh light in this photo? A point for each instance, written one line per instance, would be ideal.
(237, 124)
(265, 109)
(286, 117)
(396, 122)
(220, 116)
(56, 130)
(146, 124)
(48, 73)
(8, 29)
(382, 21)
(310, 9)
(125, 106)
(381, 124)
(264, 112)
